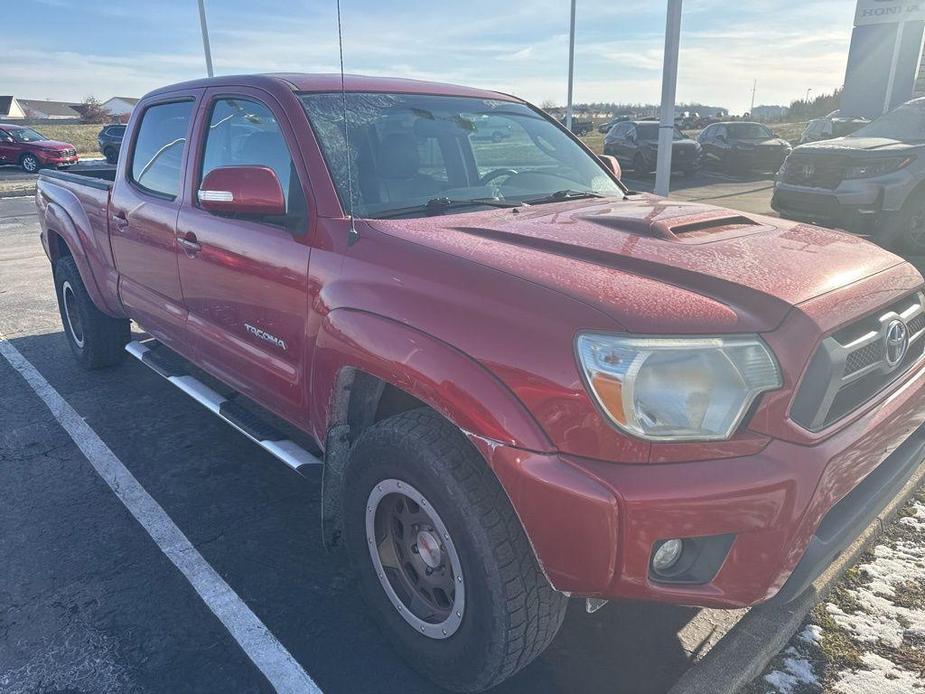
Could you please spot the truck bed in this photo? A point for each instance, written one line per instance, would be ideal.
(95, 178)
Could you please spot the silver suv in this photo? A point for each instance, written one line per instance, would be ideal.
(871, 182)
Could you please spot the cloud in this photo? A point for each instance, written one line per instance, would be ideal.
(519, 48)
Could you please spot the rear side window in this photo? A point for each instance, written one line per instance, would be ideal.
(116, 130)
(158, 156)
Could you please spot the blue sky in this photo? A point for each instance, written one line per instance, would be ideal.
(69, 49)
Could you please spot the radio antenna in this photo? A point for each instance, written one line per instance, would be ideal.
(352, 234)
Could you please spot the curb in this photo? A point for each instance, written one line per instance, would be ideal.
(756, 639)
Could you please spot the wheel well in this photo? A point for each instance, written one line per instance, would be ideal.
(360, 400)
(57, 247)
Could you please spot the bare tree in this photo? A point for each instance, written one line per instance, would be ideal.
(92, 111)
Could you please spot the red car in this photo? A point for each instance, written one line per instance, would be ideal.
(525, 383)
(31, 150)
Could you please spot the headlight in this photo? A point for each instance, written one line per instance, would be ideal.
(878, 167)
(676, 389)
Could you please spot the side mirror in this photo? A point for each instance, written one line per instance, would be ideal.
(6, 138)
(612, 164)
(242, 190)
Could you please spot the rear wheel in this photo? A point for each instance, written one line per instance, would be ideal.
(443, 562)
(96, 339)
(29, 163)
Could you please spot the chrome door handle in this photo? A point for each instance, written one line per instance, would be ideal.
(189, 243)
(120, 220)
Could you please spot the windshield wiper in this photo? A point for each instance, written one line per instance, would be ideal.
(439, 205)
(562, 195)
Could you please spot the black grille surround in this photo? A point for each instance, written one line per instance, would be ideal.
(851, 366)
(815, 171)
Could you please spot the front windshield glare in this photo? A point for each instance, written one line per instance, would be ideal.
(748, 131)
(27, 135)
(408, 150)
(905, 123)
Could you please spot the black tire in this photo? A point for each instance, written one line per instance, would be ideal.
(112, 155)
(96, 339)
(905, 232)
(511, 613)
(639, 165)
(30, 163)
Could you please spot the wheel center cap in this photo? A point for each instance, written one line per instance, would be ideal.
(429, 549)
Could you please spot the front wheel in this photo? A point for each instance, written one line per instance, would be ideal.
(30, 163)
(96, 339)
(906, 230)
(443, 562)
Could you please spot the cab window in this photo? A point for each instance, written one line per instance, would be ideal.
(157, 159)
(245, 132)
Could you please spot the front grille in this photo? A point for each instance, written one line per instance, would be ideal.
(814, 172)
(852, 366)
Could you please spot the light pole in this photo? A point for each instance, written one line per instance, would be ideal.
(205, 37)
(669, 93)
(571, 69)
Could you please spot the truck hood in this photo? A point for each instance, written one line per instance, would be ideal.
(655, 265)
(850, 144)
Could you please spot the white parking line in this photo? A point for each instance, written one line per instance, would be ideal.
(260, 645)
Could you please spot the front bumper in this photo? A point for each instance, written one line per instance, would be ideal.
(594, 524)
(58, 161)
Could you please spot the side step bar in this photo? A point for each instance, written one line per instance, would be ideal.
(258, 431)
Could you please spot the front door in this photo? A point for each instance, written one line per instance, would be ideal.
(144, 207)
(245, 279)
(8, 151)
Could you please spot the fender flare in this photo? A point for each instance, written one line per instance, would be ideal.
(442, 377)
(65, 217)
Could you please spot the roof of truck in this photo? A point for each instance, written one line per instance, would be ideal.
(331, 82)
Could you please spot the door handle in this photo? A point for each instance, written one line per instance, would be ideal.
(189, 243)
(120, 220)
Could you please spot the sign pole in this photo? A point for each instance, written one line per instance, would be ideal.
(205, 37)
(571, 70)
(669, 93)
(891, 80)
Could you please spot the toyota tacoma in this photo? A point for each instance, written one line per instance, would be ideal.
(526, 384)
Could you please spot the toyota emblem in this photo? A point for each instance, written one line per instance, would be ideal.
(897, 342)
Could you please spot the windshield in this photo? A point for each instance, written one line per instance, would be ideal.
(649, 131)
(905, 123)
(406, 150)
(26, 135)
(748, 131)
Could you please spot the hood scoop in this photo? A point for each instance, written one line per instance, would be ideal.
(702, 227)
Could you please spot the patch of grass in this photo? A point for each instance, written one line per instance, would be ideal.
(910, 595)
(83, 137)
(839, 651)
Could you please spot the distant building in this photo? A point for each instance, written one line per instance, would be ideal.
(120, 105)
(10, 108)
(770, 114)
(49, 110)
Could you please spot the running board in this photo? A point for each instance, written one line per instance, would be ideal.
(264, 435)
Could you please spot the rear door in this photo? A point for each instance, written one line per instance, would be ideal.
(143, 218)
(245, 279)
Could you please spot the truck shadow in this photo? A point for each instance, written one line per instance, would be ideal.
(258, 524)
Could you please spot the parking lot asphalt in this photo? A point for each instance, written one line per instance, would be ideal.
(89, 601)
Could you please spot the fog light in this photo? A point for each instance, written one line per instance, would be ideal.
(667, 555)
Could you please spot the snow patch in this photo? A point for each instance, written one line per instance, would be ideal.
(880, 676)
(797, 671)
(917, 519)
(811, 634)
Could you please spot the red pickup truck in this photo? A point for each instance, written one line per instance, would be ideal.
(525, 382)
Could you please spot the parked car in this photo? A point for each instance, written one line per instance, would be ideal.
(871, 182)
(31, 150)
(605, 128)
(579, 127)
(110, 141)
(526, 384)
(741, 146)
(832, 126)
(635, 145)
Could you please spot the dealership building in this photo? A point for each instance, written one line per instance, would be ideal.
(885, 63)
